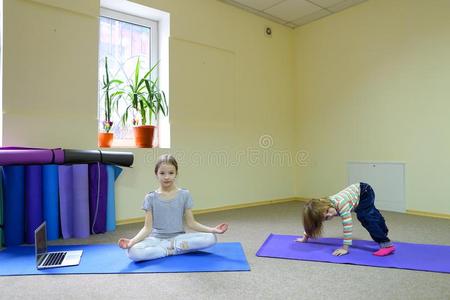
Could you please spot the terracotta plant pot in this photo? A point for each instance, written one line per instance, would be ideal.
(143, 136)
(105, 139)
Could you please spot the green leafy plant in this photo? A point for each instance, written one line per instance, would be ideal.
(112, 93)
(156, 99)
(144, 98)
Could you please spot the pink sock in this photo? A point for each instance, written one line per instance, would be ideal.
(384, 251)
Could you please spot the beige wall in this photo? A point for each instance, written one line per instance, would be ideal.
(229, 85)
(49, 75)
(252, 118)
(372, 85)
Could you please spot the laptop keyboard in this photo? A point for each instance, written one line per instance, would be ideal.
(54, 259)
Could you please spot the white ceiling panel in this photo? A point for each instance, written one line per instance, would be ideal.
(293, 13)
(258, 4)
(311, 17)
(344, 4)
(291, 10)
(326, 3)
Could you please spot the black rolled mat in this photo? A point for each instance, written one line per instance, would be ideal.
(124, 159)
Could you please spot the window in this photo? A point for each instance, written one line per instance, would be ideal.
(123, 40)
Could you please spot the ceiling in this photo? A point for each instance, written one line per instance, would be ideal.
(293, 13)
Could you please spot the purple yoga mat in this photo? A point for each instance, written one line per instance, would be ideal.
(98, 191)
(420, 257)
(80, 201)
(65, 179)
(29, 156)
(74, 200)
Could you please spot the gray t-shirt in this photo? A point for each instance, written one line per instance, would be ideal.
(167, 214)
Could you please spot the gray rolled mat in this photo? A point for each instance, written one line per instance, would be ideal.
(124, 159)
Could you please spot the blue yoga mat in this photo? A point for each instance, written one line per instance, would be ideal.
(420, 257)
(112, 172)
(50, 200)
(14, 205)
(110, 259)
(33, 201)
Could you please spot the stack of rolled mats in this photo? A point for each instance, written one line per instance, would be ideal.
(72, 190)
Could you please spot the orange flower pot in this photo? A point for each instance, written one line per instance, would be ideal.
(105, 139)
(143, 136)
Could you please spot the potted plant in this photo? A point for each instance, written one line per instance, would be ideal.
(146, 101)
(112, 93)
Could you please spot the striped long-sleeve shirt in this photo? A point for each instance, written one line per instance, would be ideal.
(345, 202)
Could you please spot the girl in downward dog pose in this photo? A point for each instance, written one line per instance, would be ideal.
(358, 197)
(163, 232)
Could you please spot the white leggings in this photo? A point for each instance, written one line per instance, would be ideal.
(152, 247)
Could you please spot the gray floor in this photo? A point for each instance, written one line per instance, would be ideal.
(268, 279)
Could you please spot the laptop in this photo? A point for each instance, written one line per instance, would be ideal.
(45, 259)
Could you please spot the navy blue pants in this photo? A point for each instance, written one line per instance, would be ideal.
(369, 215)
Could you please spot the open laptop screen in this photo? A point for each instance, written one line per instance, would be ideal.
(40, 236)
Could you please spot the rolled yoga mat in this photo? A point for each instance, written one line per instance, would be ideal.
(50, 199)
(65, 180)
(80, 200)
(92, 156)
(74, 200)
(124, 159)
(112, 172)
(98, 189)
(30, 156)
(110, 259)
(33, 201)
(420, 257)
(1, 208)
(13, 204)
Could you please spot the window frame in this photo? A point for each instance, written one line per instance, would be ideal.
(154, 58)
(153, 25)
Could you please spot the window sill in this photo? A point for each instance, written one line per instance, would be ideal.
(129, 144)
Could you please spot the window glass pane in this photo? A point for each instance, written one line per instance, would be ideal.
(123, 43)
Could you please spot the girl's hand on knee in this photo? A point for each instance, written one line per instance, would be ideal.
(221, 228)
(124, 243)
